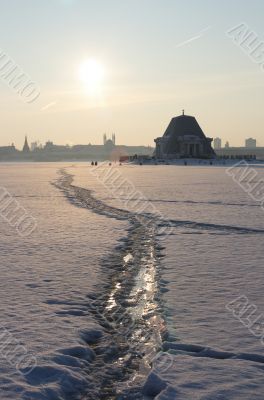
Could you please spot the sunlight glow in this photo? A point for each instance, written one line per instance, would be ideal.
(92, 74)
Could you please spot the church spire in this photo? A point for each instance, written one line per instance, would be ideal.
(26, 146)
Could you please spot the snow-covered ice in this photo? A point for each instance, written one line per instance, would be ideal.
(45, 280)
(60, 285)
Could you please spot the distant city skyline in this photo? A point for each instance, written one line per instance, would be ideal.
(33, 143)
(129, 67)
(218, 142)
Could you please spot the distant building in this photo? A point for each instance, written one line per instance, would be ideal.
(250, 143)
(34, 146)
(26, 148)
(49, 146)
(227, 145)
(109, 144)
(241, 153)
(217, 143)
(8, 149)
(111, 141)
(183, 138)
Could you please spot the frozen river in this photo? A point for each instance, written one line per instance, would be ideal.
(127, 288)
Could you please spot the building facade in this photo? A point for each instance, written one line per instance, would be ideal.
(217, 143)
(183, 138)
(250, 143)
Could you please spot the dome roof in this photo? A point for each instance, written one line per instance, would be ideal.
(184, 125)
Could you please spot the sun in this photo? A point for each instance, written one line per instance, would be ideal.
(92, 74)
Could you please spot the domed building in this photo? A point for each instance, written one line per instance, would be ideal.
(184, 138)
(109, 144)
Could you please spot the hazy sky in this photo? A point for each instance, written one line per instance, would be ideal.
(157, 56)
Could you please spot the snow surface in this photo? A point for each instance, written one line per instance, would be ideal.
(212, 254)
(210, 259)
(45, 280)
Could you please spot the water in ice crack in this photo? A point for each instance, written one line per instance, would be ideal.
(128, 306)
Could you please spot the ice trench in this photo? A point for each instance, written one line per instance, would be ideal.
(129, 307)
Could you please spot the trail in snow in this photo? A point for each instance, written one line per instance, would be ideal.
(127, 307)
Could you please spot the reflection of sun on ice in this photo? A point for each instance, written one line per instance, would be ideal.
(92, 73)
